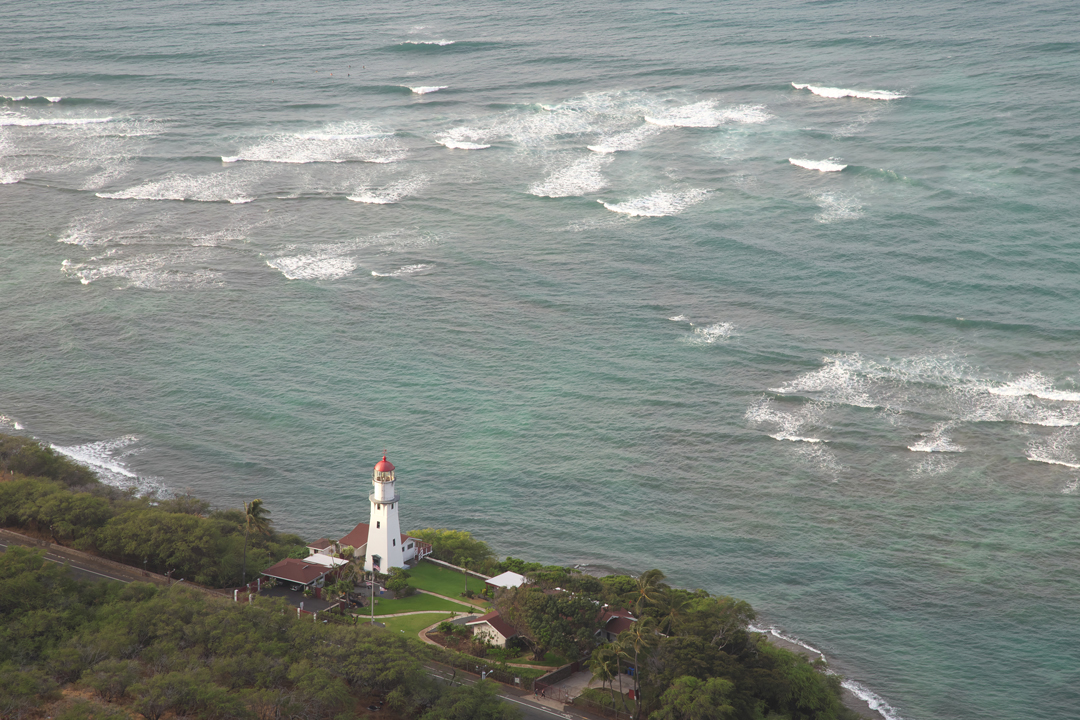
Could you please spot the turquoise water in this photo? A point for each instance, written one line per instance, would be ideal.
(850, 396)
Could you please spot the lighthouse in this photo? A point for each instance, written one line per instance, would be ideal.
(384, 541)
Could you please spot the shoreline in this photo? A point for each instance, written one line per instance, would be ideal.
(871, 706)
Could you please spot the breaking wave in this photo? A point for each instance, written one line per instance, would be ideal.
(405, 270)
(217, 187)
(392, 193)
(629, 140)
(1056, 449)
(8, 422)
(786, 423)
(659, 204)
(937, 441)
(831, 92)
(170, 270)
(105, 457)
(425, 89)
(440, 43)
(579, 178)
(336, 143)
(819, 165)
(35, 122)
(1035, 385)
(707, 114)
(30, 98)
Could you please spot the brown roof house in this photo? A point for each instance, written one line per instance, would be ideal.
(614, 621)
(492, 628)
(298, 573)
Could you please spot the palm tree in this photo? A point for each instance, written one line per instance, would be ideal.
(673, 606)
(646, 592)
(256, 517)
(604, 665)
(639, 639)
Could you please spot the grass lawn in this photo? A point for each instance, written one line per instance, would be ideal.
(419, 601)
(550, 660)
(437, 579)
(413, 624)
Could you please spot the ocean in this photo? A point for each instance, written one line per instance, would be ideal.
(781, 298)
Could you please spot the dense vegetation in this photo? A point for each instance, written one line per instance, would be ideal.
(144, 649)
(695, 657)
(46, 494)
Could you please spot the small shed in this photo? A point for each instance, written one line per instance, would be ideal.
(492, 628)
(508, 579)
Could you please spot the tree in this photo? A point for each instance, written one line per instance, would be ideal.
(646, 591)
(672, 607)
(639, 639)
(454, 546)
(256, 517)
(693, 699)
(604, 666)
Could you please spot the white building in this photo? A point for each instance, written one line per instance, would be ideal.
(380, 541)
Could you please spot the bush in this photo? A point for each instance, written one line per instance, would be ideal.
(399, 583)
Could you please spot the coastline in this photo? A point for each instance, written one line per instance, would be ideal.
(854, 696)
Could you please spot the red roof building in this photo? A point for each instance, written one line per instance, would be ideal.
(297, 572)
(493, 628)
(614, 621)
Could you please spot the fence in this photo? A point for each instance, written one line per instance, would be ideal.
(476, 666)
(455, 567)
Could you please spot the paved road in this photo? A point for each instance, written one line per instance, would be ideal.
(79, 569)
(532, 709)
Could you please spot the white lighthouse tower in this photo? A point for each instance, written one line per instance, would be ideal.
(384, 549)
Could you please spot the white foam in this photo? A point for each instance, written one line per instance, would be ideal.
(106, 459)
(216, 187)
(9, 422)
(659, 204)
(788, 422)
(462, 144)
(629, 140)
(314, 266)
(872, 699)
(709, 334)
(579, 178)
(392, 193)
(771, 630)
(1071, 487)
(405, 270)
(428, 42)
(679, 318)
(937, 441)
(27, 98)
(35, 122)
(831, 92)
(706, 114)
(334, 143)
(1055, 450)
(1035, 385)
(169, 270)
(837, 207)
(425, 89)
(819, 165)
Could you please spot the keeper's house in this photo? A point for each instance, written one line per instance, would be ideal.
(492, 628)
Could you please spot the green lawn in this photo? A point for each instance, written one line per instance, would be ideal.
(437, 579)
(419, 601)
(413, 624)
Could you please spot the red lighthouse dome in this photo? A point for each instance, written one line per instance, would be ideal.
(384, 465)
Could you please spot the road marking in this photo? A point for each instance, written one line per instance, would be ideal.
(71, 564)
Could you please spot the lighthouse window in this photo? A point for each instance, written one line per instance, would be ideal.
(378, 507)
(378, 524)
(395, 543)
